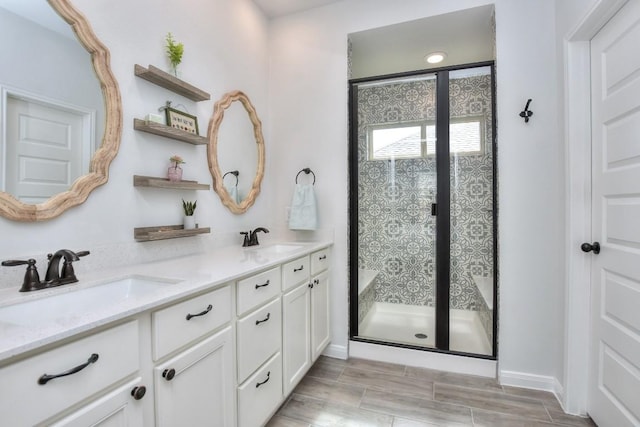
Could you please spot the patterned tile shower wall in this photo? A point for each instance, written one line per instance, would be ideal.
(395, 226)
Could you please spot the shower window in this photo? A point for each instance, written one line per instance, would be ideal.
(411, 140)
(422, 210)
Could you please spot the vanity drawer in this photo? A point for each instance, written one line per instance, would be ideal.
(260, 395)
(23, 401)
(258, 289)
(320, 261)
(182, 323)
(295, 272)
(259, 337)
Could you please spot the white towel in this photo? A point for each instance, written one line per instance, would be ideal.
(232, 189)
(303, 214)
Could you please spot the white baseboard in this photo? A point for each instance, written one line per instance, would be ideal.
(535, 382)
(336, 351)
(423, 359)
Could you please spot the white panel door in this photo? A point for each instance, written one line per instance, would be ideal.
(614, 384)
(296, 335)
(319, 314)
(196, 388)
(44, 149)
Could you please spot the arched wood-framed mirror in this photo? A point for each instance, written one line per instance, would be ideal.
(96, 171)
(250, 158)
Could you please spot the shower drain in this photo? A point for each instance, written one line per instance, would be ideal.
(421, 336)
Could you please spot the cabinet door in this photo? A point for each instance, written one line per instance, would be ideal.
(116, 409)
(196, 388)
(295, 335)
(319, 314)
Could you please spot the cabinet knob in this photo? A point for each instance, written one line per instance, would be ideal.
(138, 392)
(168, 374)
(311, 285)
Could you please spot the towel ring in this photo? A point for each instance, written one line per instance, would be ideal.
(234, 173)
(307, 171)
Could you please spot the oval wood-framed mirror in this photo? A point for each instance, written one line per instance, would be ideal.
(98, 172)
(215, 147)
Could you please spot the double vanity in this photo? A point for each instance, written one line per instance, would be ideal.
(218, 339)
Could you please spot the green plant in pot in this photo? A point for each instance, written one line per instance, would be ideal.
(174, 52)
(189, 209)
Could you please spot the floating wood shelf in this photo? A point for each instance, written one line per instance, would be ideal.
(155, 182)
(168, 132)
(163, 79)
(147, 234)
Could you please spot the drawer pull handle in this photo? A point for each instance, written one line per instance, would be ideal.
(262, 286)
(46, 378)
(190, 316)
(138, 392)
(168, 374)
(322, 258)
(263, 320)
(295, 270)
(265, 381)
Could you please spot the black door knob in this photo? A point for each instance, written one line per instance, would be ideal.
(588, 247)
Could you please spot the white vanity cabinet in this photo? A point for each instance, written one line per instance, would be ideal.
(226, 355)
(194, 386)
(93, 364)
(305, 318)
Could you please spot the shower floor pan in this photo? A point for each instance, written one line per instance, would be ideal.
(405, 324)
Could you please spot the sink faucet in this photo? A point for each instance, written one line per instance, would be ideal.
(251, 237)
(55, 276)
(54, 272)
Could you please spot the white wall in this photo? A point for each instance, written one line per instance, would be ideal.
(308, 115)
(225, 49)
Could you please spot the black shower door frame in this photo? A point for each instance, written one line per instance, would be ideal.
(443, 202)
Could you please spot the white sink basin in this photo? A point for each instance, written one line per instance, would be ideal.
(75, 303)
(279, 248)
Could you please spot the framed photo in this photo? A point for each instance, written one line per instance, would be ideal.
(181, 120)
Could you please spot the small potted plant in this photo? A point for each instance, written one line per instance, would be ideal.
(174, 173)
(189, 208)
(174, 52)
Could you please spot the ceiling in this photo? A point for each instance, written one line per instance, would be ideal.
(466, 36)
(275, 8)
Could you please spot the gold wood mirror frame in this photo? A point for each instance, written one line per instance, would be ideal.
(14, 209)
(212, 151)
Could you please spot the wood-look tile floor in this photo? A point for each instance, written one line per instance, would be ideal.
(365, 393)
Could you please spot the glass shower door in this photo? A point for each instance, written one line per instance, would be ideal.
(396, 187)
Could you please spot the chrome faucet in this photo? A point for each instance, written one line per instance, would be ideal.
(251, 237)
(55, 276)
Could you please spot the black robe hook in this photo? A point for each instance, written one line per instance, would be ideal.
(525, 114)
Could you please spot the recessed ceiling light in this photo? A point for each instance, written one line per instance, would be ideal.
(435, 57)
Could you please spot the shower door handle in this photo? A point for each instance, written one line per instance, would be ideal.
(434, 209)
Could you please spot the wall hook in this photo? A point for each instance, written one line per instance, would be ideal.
(525, 114)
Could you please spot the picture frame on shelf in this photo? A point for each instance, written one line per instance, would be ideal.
(180, 120)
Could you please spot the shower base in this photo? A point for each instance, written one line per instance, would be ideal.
(400, 323)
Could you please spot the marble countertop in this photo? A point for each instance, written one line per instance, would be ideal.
(191, 274)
